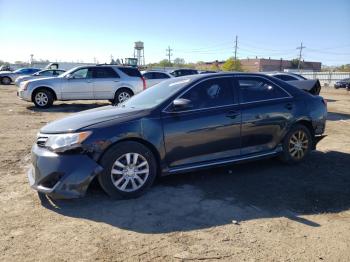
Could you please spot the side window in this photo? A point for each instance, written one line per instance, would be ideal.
(58, 72)
(148, 75)
(211, 93)
(104, 72)
(286, 77)
(254, 89)
(160, 76)
(47, 73)
(130, 71)
(81, 73)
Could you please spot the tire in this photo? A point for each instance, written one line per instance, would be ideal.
(122, 95)
(119, 179)
(43, 98)
(296, 144)
(6, 80)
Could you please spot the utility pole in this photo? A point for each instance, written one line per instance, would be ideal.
(236, 46)
(168, 53)
(301, 49)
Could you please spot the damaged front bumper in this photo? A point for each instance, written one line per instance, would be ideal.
(61, 175)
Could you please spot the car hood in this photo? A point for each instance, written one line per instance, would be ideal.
(90, 117)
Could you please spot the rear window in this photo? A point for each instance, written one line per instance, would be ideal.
(133, 72)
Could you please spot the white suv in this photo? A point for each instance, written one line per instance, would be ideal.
(107, 82)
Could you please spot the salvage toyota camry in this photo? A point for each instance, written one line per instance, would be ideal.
(179, 125)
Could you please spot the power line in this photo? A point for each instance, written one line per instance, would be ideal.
(301, 49)
(168, 53)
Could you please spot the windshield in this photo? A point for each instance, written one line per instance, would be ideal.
(156, 94)
(18, 70)
(68, 72)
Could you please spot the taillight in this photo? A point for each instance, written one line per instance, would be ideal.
(144, 82)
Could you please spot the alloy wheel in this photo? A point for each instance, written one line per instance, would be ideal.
(130, 172)
(298, 144)
(123, 96)
(41, 99)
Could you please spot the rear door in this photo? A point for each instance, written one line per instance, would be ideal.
(266, 110)
(79, 85)
(105, 82)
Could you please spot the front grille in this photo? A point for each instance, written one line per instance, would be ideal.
(41, 140)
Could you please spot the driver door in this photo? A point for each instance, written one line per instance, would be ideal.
(78, 85)
(209, 129)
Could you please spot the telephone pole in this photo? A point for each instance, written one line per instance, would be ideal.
(168, 53)
(301, 47)
(236, 46)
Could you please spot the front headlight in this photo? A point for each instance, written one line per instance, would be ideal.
(64, 142)
(24, 85)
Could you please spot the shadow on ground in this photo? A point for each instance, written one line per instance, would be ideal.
(332, 116)
(215, 197)
(67, 108)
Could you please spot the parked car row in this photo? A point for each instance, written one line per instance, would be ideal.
(40, 74)
(181, 124)
(8, 77)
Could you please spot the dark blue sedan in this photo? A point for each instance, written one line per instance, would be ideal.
(179, 125)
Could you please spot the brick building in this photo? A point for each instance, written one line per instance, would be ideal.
(264, 65)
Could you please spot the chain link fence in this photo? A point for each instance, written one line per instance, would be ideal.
(326, 78)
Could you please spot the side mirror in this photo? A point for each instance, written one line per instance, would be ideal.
(181, 104)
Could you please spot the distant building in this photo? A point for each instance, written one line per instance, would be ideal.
(266, 64)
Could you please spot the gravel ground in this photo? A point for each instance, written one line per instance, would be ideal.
(258, 211)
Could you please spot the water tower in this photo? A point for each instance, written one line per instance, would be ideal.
(139, 53)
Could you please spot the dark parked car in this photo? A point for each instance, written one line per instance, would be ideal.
(183, 72)
(344, 83)
(179, 125)
(312, 86)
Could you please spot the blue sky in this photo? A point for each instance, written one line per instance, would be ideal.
(196, 30)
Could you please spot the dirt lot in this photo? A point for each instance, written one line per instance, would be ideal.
(259, 211)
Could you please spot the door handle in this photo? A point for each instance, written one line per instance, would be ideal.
(115, 80)
(232, 114)
(289, 106)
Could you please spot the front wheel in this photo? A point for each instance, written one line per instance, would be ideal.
(129, 170)
(6, 80)
(43, 98)
(296, 145)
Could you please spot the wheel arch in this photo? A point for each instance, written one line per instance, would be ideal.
(307, 123)
(43, 88)
(124, 87)
(144, 142)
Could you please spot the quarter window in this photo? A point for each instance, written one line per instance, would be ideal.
(211, 93)
(254, 89)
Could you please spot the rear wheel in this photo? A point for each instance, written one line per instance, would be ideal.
(6, 80)
(122, 95)
(129, 170)
(296, 145)
(43, 98)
